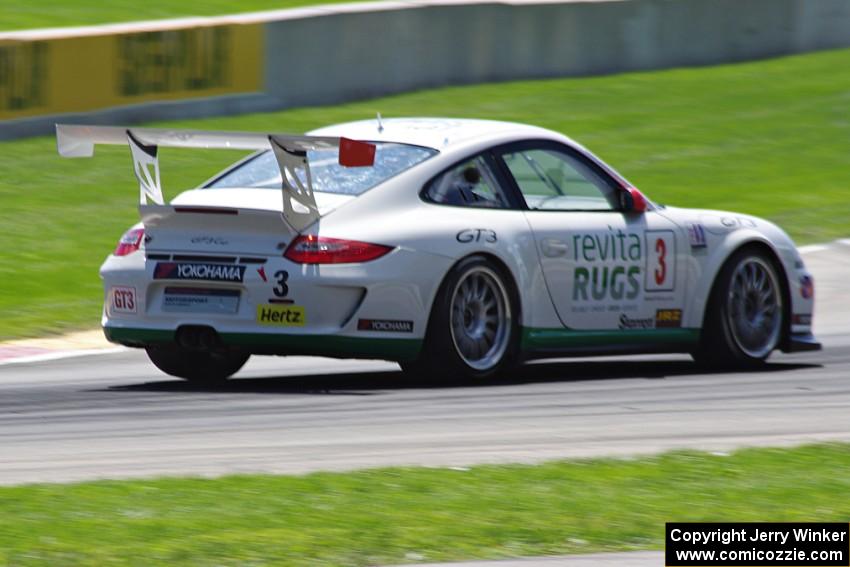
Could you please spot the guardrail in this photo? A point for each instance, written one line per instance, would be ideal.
(195, 67)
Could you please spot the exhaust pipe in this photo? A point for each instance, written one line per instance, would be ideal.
(198, 337)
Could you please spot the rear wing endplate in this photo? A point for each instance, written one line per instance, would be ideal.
(299, 204)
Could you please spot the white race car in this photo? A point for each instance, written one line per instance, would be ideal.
(454, 247)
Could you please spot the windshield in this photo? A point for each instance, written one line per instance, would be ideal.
(328, 176)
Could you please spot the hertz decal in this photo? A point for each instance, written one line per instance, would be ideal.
(84, 73)
(281, 315)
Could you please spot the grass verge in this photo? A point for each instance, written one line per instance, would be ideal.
(400, 515)
(769, 138)
(63, 13)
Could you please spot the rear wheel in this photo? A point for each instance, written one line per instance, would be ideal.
(202, 367)
(473, 329)
(745, 316)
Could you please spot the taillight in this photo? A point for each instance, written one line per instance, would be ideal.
(130, 242)
(311, 249)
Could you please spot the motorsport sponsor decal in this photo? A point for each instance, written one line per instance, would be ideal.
(627, 322)
(668, 318)
(476, 235)
(198, 271)
(611, 265)
(696, 235)
(664, 319)
(198, 300)
(262, 272)
(209, 240)
(385, 325)
(622, 254)
(281, 315)
(122, 299)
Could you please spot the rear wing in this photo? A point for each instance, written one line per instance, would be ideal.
(299, 204)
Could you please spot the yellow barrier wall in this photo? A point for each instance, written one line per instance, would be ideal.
(78, 74)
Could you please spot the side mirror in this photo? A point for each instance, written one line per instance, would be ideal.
(632, 201)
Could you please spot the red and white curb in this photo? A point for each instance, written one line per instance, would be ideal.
(83, 343)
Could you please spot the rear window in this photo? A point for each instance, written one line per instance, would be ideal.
(328, 176)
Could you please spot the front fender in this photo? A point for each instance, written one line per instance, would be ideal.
(710, 265)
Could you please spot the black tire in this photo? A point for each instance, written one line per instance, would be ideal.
(201, 367)
(745, 315)
(476, 300)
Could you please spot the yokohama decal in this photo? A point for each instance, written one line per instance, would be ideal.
(385, 325)
(196, 271)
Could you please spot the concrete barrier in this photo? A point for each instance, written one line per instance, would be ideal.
(328, 54)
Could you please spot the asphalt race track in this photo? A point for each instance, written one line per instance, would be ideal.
(115, 415)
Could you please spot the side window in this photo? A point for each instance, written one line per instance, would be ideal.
(470, 184)
(553, 180)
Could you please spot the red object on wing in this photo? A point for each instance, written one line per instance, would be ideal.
(353, 153)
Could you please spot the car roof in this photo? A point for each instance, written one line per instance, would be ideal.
(437, 133)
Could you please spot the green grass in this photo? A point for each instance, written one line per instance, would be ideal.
(19, 15)
(770, 138)
(396, 515)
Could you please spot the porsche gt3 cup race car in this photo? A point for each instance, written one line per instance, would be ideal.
(454, 247)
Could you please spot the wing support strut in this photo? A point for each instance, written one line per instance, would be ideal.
(146, 167)
(299, 203)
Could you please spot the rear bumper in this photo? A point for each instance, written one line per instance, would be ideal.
(336, 346)
(802, 342)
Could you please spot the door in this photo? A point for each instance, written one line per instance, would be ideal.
(605, 269)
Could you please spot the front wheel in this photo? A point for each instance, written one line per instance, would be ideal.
(745, 315)
(474, 325)
(201, 367)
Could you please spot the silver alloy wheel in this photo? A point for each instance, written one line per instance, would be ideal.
(754, 307)
(480, 318)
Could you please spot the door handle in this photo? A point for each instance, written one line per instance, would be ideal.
(553, 247)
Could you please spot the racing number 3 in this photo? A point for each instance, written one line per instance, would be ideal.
(660, 260)
(661, 270)
(281, 289)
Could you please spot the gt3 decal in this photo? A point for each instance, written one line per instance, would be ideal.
(476, 235)
(123, 299)
(385, 325)
(198, 271)
(281, 315)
